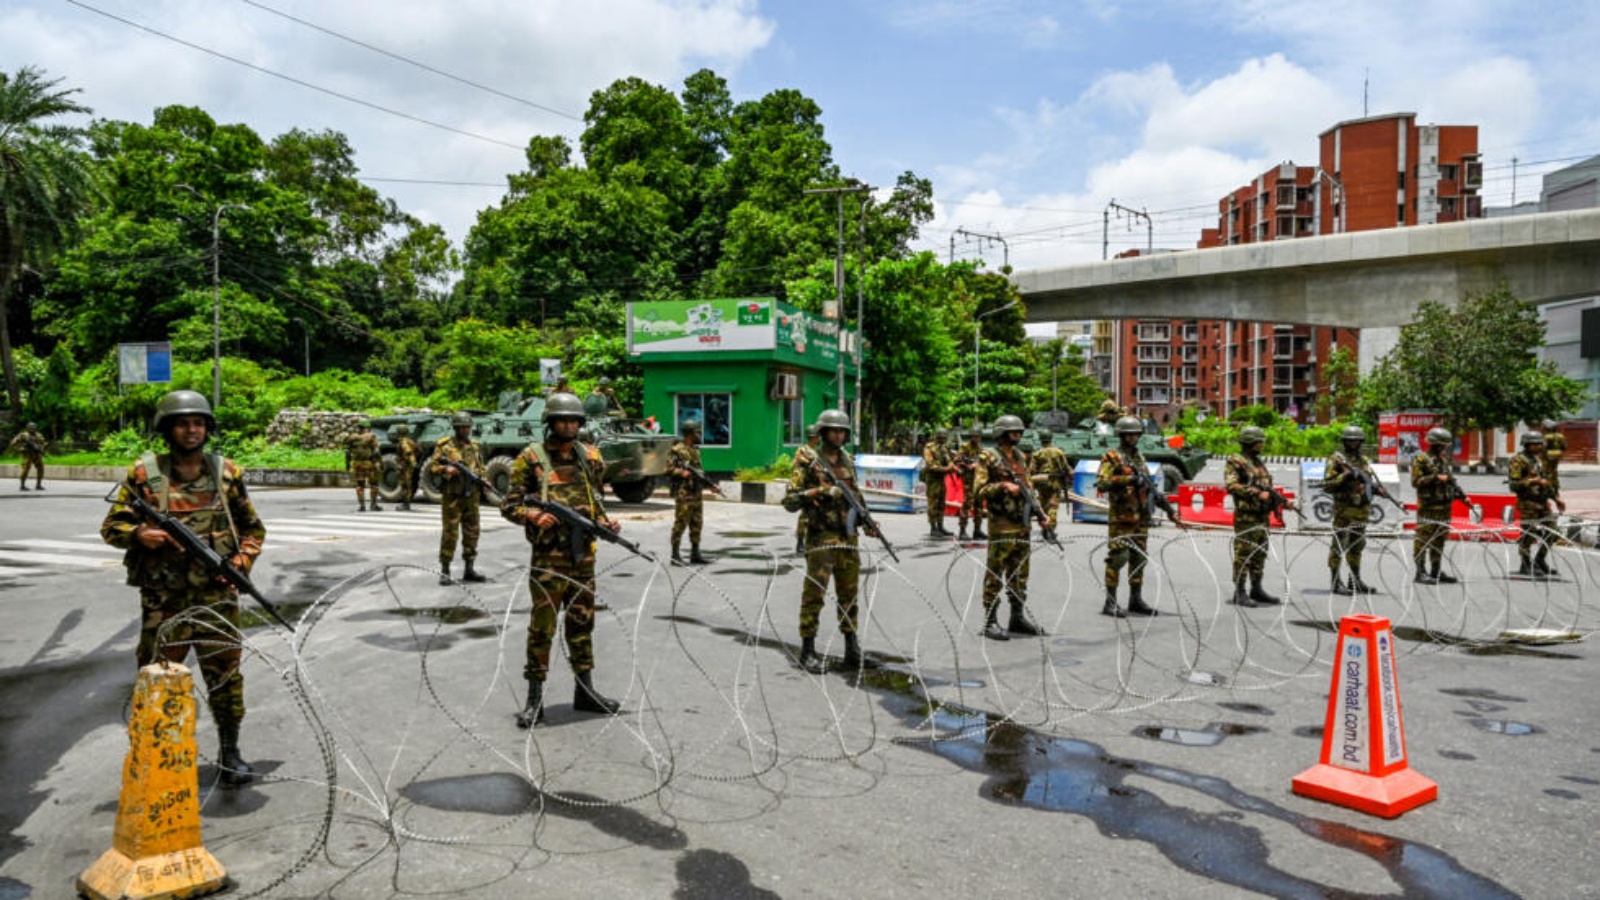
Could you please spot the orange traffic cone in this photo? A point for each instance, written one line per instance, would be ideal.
(156, 850)
(1364, 762)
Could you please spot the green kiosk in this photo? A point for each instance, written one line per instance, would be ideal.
(753, 372)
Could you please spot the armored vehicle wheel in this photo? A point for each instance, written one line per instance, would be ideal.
(498, 473)
(389, 479)
(427, 482)
(634, 491)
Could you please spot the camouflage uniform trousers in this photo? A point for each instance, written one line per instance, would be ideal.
(556, 585)
(458, 514)
(936, 501)
(406, 478)
(35, 463)
(835, 559)
(215, 646)
(1128, 545)
(970, 507)
(1249, 546)
(366, 476)
(1050, 502)
(1349, 535)
(690, 515)
(1538, 528)
(1433, 530)
(1009, 555)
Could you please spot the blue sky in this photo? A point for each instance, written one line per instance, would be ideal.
(1028, 116)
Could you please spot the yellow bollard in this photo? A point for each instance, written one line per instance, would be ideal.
(156, 850)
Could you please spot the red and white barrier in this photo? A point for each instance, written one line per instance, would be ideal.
(1364, 765)
(1208, 504)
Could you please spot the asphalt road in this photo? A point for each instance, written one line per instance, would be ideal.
(1113, 758)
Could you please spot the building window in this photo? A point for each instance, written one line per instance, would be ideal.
(794, 422)
(1400, 214)
(1447, 172)
(714, 412)
(1402, 180)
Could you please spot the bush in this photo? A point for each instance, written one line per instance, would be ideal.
(780, 470)
(1284, 436)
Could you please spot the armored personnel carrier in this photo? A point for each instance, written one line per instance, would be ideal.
(635, 457)
(1091, 438)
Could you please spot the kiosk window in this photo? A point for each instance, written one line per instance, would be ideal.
(714, 412)
(794, 422)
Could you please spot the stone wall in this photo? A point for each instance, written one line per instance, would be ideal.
(313, 429)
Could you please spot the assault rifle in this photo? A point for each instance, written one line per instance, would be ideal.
(579, 526)
(1142, 478)
(1030, 505)
(1369, 483)
(197, 549)
(700, 477)
(858, 515)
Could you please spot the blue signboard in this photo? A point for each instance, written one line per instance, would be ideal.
(144, 363)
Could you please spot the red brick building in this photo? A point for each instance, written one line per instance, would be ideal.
(1379, 172)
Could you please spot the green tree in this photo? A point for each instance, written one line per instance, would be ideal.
(46, 183)
(1478, 364)
(1341, 376)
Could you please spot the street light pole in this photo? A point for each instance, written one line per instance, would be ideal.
(306, 329)
(216, 301)
(977, 326)
(852, 187)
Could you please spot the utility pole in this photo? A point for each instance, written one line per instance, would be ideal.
(981, 238)
(851, 187)
(1105, 234)
(216, 303)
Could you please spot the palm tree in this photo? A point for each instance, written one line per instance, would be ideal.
(46, 182)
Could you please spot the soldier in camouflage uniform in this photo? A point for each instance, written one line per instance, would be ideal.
(361, 458)
(1125, 480)
(206, 493)
(1001, 472)
(1436, 490)
(1049, 470)
(1110, 412)
(1531, 483)
(1349, 480)
(803, 455)
(1555, 447)
(831, 552)
(31, 444)
(564, 470)
(407, 453)
(937, 462)
(458, 498)
(1250, 484)
(968, 458)
(687, 494)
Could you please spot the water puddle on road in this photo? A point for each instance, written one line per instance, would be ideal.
(1209, 736)
(495, 794)
(1254, 709)
(1502, 726)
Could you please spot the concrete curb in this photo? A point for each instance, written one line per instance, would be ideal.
(260, 477)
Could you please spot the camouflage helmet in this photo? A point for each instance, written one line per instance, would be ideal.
(182, 403)
(563, 405)
(692, 425)
(1353, 433)
(1441, 436)
(1109, 405)
(604, 380)
(33, 426)
(1129, 425)
(460, 419)
(1252, 434)
(402, 429)
(833, 418)
(1531, 438)
(812, 430)
(1046, 438)
(1008, 423)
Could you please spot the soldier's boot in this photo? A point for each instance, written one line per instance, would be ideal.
(940, 529)
(809, 660)
(39, 485)
(1136, 604)
(961, 528)
(233, 771)
(695, 559)
(362, 501)
(375, 506)
(405, 505)
(1022, 623)
(1423, 576)
(1241, 597)
(677, 558)
(852, 650)
(472, 574)
(1526, 569)
(24, 484)
(1358, 586)
(991, 625)
(1339, 587)
(444, 574)
(1259, 594)
(1541, 567)
(978, 534)
(586, 699)
(1441, 577)
(533, 711)
(1110, 607)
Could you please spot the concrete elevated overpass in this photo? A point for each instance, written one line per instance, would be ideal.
(1369, 279)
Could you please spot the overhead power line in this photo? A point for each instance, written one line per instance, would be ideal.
(411, 62)
(297, 81)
